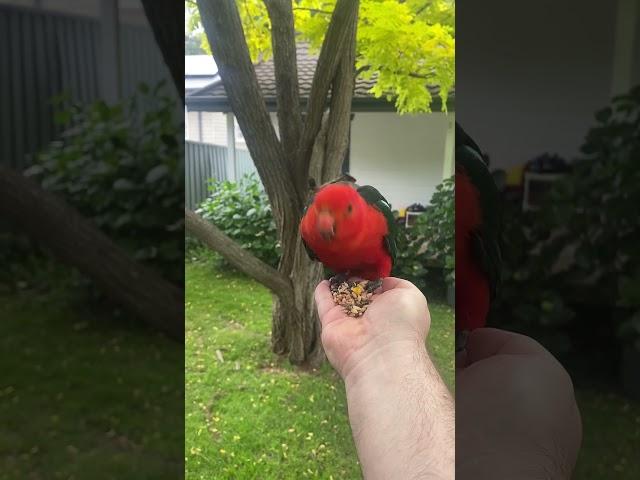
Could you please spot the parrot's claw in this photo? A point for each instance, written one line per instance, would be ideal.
(336, 280)
(461, 340)
(373, 285)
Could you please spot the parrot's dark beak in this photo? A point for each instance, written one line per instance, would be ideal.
(326, 226)
(327, 235)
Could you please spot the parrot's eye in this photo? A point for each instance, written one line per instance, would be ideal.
(349, 208)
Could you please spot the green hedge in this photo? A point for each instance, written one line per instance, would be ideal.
(122, 167)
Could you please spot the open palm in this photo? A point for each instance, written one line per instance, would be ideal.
(397, 314)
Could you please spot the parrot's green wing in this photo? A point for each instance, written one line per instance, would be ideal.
(486, 240)
(373, 197)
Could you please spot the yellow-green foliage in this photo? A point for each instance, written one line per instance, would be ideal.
(408, 46)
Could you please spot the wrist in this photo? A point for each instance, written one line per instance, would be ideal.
(385, 360)
(401, 413)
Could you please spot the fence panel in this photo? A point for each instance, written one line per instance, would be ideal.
(43, 54)
(204, 161)
(244, 163)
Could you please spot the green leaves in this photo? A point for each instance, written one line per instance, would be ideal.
(242, 211)
(406, 47)
(118, 165)
(430, 242)
(156, 173)
(123, 184)
(592, 214)
(407, 52)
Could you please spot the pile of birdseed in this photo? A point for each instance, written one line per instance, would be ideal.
(352, 296)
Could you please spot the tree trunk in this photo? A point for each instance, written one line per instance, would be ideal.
(76, 242)
(163, 18)
(285, 166)
(296, 331)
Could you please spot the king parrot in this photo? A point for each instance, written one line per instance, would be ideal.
(478, 251)
(351, 230)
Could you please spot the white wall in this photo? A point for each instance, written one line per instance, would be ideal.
(401, 155)
(214, 127)
(530, 75)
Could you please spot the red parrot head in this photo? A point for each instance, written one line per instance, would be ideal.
(337, 213)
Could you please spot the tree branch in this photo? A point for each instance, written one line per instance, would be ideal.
(215, 239)
(335, 40)
(169, 35)
(422, 9)
(318, 153)
(286, 71)
(340, 109)
(314, 10)
(223, 27)
(77, 242)
(425, 76)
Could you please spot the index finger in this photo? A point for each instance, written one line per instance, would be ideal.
(486, 342)
(390, 283)
(324, 299)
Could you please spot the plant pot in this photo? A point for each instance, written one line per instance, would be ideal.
(451, 295)
(630, 371)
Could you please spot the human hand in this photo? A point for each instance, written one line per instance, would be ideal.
(400, 411)
(516, 413)
(396, 319)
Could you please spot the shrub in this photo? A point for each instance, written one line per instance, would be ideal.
(425, 250)
(593, 210)
(428, 246)
(242, 211)
(123, 167)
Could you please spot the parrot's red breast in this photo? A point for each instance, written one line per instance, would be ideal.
(472, 286)
(346, 233)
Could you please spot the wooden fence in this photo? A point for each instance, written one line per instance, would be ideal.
(43, 54)
(204, 162)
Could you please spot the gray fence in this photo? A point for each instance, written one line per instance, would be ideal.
(44, 54)
(203, 162)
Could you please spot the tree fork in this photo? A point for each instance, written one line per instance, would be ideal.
(339, 122)
(223, 27)
(240, 258)
(296, 327)
(333, 47)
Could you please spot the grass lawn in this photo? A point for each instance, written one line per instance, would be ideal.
(611, 436)
(84, 397)
(250, 414)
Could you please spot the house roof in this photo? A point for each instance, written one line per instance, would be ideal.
(213, 96)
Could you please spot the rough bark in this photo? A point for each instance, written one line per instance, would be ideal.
(286, 70)
(284, 165)
(339, 121)
(223, 27)
(163, 17)
(336, 42)
(215, 239)
(76, 242)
